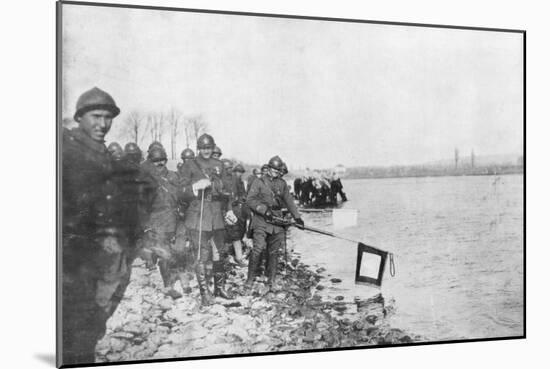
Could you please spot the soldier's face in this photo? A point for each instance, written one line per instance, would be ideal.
(160, 163)
(96, 123)
(205, 153)
(274, 173)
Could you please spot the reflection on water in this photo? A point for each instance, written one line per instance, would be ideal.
(458, 245)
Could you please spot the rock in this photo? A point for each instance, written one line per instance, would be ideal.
(358, 325)
(232, 304)
(339, 307)
(371, 319)
(320, 270)
(113, 357)
(166, 304)
(261, 347)
(405, 339)
(371, 331)
(339, 298)
(117, 344)
(123, 335)
(218, 309)
(218, 349)
(216, 322)
(238, 332)
(335, 280)
(319, 287)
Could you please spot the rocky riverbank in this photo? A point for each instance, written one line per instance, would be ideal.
(150, 325)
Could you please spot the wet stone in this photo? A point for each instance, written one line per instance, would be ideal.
(335, 280)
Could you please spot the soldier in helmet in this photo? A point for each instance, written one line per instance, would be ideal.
(204, 219)
(256, 173)
(186, 155)
(266, 199)
(236, 232)
(132, 153)
(115, 150)
(160, 228)
(96, 248)
(147, 165)
(217, 153)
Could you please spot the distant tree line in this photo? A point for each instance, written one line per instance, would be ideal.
(171, 127)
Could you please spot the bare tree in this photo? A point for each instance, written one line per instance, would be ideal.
(155, 125)
(135, 125)
(194, 127)
(457, 157)
(174, 119)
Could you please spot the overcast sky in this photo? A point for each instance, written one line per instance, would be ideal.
(317, 93)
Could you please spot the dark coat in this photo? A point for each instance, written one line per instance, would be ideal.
(216, 197)
(267, 193)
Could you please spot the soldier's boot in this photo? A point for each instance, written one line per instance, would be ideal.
(219, 281)
(253, 265)
(206, 295)
(272, 261)
(168, 280)
(343, 195)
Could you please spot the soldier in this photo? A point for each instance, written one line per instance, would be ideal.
(266, 198)
(115, 150)
(132, 153)
(160, 228)
(217, 153)
(147, 166)
(204, 219)
(236, 232)
(96, 254)
(256, 173)
(186, 155)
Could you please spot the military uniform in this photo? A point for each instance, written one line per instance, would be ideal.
(212, 226)
(160, 228)
(94, 278)
(268, 195)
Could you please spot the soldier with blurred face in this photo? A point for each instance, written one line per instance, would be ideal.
(160, 228)
(186, 155)
(132, 153)
(96, 248)
(236, 232)
(206, 194)
(115, 150)
(216, 153)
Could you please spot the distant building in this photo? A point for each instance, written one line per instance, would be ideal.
(340, 170)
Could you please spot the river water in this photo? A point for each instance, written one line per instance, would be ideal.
(458, 245)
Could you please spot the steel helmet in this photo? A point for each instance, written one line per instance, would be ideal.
(217, 150)
(227, 164)
(114, 148)
(239, 168)
(132, 148)
(155, 144)
(157, 154)
(187, 154)
(276, 163)
(256, 171)
(205, 141)
(95, 99)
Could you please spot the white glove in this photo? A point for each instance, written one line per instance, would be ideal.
(201, 185)
(230, 218)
